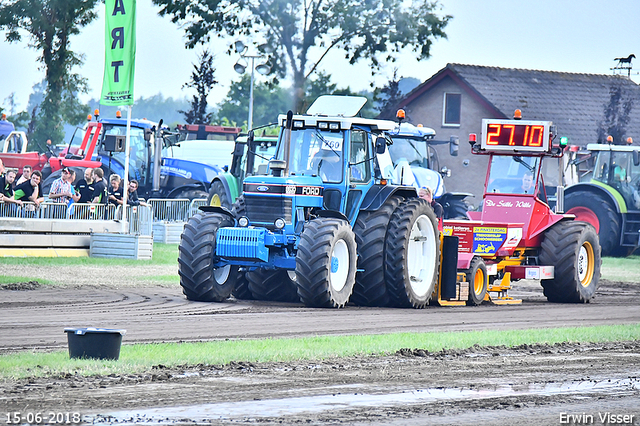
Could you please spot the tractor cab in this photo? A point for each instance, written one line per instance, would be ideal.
(618, 167)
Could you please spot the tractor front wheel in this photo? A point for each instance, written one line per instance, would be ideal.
(199, 279)
(326, 263)
(478, 281)
(412, 254)
(218, 196)
(572, 248)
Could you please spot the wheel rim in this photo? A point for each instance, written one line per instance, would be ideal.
(478, 282)
(292, 276)
(215, 201)
(339, 265)
(585, 214)
(586, 264)
(222, 274)
(421, 252)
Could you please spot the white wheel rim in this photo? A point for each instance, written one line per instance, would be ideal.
(339, 265)
(221, 275)
(583, 263)
(292, 276)
(421, 255)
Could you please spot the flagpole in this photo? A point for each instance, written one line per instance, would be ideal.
(125, 189)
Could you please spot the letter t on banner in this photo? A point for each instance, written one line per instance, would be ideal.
(120, 52)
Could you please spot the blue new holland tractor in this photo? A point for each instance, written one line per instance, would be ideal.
(326, 226)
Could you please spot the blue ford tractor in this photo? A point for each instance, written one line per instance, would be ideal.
(326, 226)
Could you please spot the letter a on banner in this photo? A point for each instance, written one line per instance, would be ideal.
(120, 52)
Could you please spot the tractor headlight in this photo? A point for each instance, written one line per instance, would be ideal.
(279, 223)
(243, 221)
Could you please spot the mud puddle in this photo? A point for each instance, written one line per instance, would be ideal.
(350, 398)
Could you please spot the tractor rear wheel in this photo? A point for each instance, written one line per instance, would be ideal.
(241, 289)
(326, 263)
(199, 279)
(591, 208)
(572, 248)
(412, 254)
(276, 285)
(478, 281)
(371, 230)
(218, 196)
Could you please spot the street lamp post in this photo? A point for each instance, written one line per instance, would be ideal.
(240, 68)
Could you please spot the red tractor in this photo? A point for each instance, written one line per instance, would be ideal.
(517, 235)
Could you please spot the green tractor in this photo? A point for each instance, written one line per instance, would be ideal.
(250, 158)
(609, 197)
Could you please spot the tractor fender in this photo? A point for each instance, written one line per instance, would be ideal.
(229, 182)
(185, 188)
(615, 199)
(456, 195)
(332, 214)
(378, 195)
(217, 209)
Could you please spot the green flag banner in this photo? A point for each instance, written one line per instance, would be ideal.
(120, 52)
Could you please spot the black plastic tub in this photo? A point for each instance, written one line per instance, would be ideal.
(96, 343)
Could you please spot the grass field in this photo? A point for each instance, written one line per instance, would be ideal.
(138, 358)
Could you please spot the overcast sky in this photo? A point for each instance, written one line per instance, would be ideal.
(559, 35)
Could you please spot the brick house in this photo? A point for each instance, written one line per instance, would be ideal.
(584, 107)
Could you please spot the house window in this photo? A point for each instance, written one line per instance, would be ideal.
(451, 116)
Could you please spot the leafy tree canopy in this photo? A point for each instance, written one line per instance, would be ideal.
(298, 34)
(49, 24)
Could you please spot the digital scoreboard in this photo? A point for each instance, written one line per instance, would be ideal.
(516, 135)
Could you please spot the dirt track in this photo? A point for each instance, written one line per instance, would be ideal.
(481, 386)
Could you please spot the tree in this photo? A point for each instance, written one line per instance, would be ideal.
(50, 23)
(268, 101)
(202, 78)
(299, 34)
(388, 97)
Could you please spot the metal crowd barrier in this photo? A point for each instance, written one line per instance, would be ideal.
(140, 218)
(174, 210)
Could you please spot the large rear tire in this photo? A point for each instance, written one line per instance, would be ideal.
(592, 208)
(326, 263)
(218, 196)
(371, 230)
(572, 248)
(199, 279)
(412, 254)
(276, 285)
(478, 281)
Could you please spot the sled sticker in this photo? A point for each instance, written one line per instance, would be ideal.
(487, 240)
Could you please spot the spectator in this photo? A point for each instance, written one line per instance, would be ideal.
(133, 199)
(427, 194)
(3, 171)
(99, 195)
(26, 175)
(85, 186)
(29, 191)
(62, 189)
(6, 186)
(116, 192)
